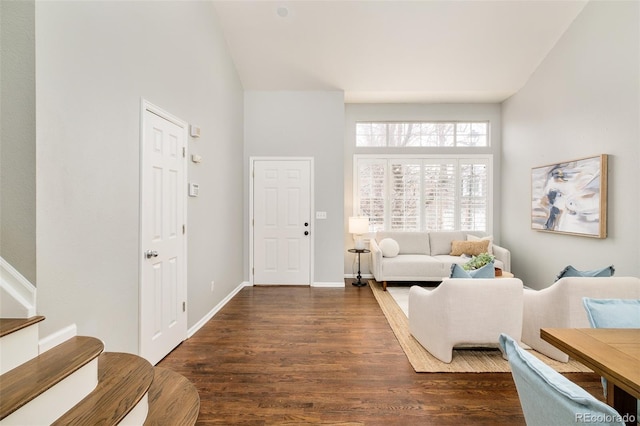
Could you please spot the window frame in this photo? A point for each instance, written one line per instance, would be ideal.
(454, 135)
(461, 158)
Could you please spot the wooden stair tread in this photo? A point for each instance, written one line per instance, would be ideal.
(172, 400)
(27, 381)
(11, 325)
(123, 380)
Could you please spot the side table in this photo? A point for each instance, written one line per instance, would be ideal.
(359, 283)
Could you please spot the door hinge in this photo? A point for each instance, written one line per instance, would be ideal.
(184, 306)
(184, 229)
(184, 151)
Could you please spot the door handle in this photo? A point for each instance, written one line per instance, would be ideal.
(306, 232)
(150, 253)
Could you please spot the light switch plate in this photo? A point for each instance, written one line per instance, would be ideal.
(194, 190)
(321, 215)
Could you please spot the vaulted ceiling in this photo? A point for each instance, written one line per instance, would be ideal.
(394, 51)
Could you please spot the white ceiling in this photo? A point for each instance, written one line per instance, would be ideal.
(394, 51)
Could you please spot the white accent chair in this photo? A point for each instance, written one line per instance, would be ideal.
(465, 312)
(560, 306)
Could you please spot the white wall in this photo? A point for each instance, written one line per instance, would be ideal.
(416, 112)
(18, 136)
(304, 124)
(582, 100)
(95, 60)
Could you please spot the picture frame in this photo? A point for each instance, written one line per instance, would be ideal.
(571, 197)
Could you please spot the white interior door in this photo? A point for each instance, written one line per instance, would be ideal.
(282, 222)
(163, 317)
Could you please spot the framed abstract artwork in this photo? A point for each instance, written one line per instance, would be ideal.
(571, 197)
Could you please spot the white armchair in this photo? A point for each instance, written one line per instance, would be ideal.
(560, 306)
(463, 311)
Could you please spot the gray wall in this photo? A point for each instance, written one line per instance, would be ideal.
(416, 112)
(95, 61)
(583, 100)
(18, 136)
(304, 124)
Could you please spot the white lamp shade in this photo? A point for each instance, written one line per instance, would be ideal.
(358, 225)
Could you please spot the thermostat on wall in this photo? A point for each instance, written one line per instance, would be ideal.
(194, 189)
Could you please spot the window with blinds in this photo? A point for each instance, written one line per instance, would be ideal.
(423, 193)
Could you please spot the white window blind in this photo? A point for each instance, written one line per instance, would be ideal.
(403, 193)
(371, 191)
(473, 196)
(440, 195)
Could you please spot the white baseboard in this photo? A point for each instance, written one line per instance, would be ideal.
(197, 326)
(54, 339)
(328, 284)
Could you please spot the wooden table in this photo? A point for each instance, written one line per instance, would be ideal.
(614, 353)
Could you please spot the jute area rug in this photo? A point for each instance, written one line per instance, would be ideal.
(464, 360)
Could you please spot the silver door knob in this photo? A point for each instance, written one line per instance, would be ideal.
(150, 253)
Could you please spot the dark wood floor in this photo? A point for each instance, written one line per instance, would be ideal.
(299, 355)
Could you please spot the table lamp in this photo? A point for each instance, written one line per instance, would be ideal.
(359, 225)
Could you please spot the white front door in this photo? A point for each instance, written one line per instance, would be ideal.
(282, 222)
(163, 317)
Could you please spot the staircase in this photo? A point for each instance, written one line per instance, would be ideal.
(77, 383)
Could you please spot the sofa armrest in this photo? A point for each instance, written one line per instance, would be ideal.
(376, 259)
(503, 255)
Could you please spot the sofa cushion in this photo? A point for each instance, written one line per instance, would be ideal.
(487, 271)
(470, 248)
(413, 265)
(440, 241)
(570, 271)
(409, 242)
(471, 237)
(389, 247)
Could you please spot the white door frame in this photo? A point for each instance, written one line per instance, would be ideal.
(252, 161)
(148, 106)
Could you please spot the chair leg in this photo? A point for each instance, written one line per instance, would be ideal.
(384, 286)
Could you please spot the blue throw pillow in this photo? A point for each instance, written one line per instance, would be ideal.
(570, 271)
(487, 271)
(613, 313)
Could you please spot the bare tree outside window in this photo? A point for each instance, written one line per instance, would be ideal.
(422, 134)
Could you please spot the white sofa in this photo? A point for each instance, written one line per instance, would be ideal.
(462, 311)
(424, 256)
(560, 306)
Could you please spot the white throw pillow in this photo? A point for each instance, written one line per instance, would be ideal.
(389, 247)
(471, 237)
